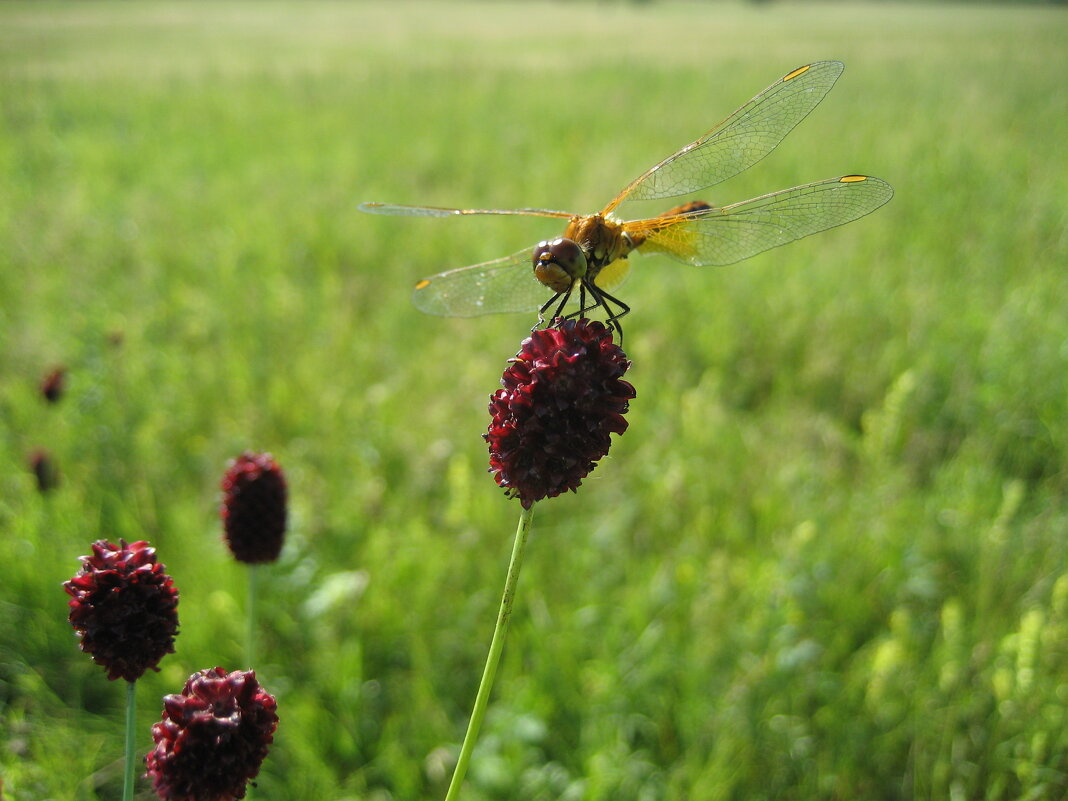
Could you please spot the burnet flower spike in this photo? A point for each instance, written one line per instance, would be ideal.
(44, 469)
(212, 737)
(562, 397)
(254, 514)
(124, 608)
(254, 508)
(54, 384)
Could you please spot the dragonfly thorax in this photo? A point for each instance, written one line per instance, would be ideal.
(601, 239)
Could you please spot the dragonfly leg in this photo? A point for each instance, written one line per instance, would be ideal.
(562, 297)
(541, 311)
(583, 308)
(563, 302)
(622, 309)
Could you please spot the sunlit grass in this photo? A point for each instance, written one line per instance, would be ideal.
(826, 561)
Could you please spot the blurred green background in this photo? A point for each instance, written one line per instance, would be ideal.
(829, 559)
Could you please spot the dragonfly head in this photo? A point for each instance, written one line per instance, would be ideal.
(558, 262)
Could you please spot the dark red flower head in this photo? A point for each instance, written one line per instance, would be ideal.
(212, 738)
(254, 508)
(53, 384)
(124, 607)
(563, 395)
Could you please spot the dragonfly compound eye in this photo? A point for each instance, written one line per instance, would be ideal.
(558, 262)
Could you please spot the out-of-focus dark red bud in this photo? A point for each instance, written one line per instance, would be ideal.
(254, 508)
(53, 384)
(44, 470)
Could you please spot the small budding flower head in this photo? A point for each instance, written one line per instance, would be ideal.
(254, 508)
(563, 395)
(124, 607)
(212, 737)
(53, 384)
(44, 470)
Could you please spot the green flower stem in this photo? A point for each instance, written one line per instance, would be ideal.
(250, 631)
(496, 646)
(250, 615)
(131, 722)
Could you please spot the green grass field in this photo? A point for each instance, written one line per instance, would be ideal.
(829, 559)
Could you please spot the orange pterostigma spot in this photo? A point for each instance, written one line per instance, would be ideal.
(799, 71)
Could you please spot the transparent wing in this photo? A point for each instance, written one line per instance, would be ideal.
(741, 230)
(398, 210)
(502, 285)
(612, 276)
(741, 140)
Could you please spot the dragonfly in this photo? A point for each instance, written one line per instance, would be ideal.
(592, 254)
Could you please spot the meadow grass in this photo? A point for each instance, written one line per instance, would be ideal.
(829, 559)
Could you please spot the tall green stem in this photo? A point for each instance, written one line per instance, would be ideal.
(250, 617)
(496, 646)
(250, 622)
(131, 722)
